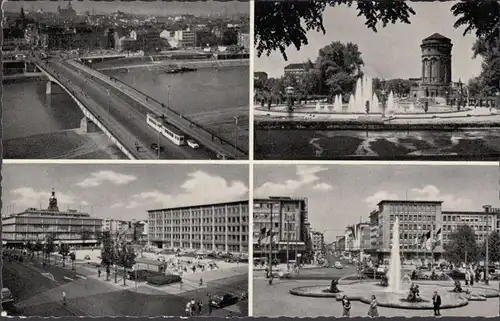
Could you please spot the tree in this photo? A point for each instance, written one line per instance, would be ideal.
(72, 257)
(38, 247)
(125, 258)
(462, 244)
(280, 24)
(493, 247)
(107, 252)
(98, 237)
(299, 17)
(64, 251)
(49, 246)
(86, 235)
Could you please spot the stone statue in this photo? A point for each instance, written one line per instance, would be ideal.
(333, 286)
(414, 295)
(384, 281)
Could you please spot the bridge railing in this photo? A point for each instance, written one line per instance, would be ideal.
(159, 103)
(191, 122)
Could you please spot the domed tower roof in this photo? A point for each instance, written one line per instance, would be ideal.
(437, 36)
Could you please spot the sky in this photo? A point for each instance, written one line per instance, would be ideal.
(392, 52)
(123, 192)
(196, 8)
(341, 195)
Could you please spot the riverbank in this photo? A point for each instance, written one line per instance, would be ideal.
(64, 144)
(160, 66)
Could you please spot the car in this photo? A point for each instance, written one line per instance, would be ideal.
(7, 298)
(192, 143)
(154, 147)
(222, 301)
(338, 265)
(222, 156)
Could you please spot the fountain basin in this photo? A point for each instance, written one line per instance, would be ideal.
(363, 291)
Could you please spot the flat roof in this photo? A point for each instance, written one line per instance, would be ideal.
(198, 206)
(469, 212)
(409, 202)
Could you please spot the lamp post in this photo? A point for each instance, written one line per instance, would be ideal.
(168, 97)
(289, 93)
(235, 134)
(486, 261)
(109, 110)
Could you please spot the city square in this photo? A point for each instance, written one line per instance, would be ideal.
(115, 257)
(415, 246)
(340, 95)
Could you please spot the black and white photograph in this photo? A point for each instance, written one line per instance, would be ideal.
(125, 240)
(126, 80)
(376, 240)
(388, 80)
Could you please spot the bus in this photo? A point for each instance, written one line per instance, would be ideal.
(170, 132)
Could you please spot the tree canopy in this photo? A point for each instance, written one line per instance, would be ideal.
(493, 247)
(281, 24)
(462, 243)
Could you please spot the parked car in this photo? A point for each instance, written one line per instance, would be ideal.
(221, 301)
(7, 298)
(338, 265)
(192, 143)
(154, 147)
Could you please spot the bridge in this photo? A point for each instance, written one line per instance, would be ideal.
(119, 111)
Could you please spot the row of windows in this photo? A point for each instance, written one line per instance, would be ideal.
(209, 211)
(464, 219)
(47, 229)
(413, 218)
(56, 221)
(220, 237)
(40, 236)
(218, 248)
(221, 220)
(413, 209)
(197, 230)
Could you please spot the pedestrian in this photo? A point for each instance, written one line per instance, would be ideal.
(467, 277)
(188, 309)
(346, 307)
(180, 285)
(64, 298)
(99, 273)
(201, 281)
(200, 307)
(373, 311)
(436, 301)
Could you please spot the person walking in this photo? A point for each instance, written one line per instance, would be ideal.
(373, 311)
(346, 307)
(467, 277)
(436, 301)
(64, 298)
(99, 273)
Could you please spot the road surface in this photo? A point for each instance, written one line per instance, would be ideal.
(38, 292)
(113, 110)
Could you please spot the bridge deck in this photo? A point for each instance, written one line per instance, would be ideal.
(207, 138)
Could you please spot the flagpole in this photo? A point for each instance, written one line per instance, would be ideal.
(432, 248)
(271, 248)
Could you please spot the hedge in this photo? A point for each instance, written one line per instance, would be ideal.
(164, 279)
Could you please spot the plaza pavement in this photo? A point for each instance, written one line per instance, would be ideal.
(38, 292)
(275, 300)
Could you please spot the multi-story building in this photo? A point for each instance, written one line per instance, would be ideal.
(290, 226)
(415, 218)
(114, 226)
(295, 69)
(482, 222)
(34, 224)
(318, 241)
(219, 227)
(340, 244)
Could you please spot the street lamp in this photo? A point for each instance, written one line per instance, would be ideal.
(168, 96)
(289, 91)
(109, 109)
(235, 134)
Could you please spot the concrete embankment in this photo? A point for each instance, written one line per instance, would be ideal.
(167, 64)
(371, 126)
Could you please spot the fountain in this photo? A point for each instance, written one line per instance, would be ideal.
(393, 294)
(394, 273)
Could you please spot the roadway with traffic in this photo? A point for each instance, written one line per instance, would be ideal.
(122, 110)
(122, 119)
(38, 292)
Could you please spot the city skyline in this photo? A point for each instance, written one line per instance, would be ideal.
(122, 192)
(158, 8)
(346, 194)
(403, 61)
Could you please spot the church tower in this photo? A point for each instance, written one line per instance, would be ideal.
(53, 202)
